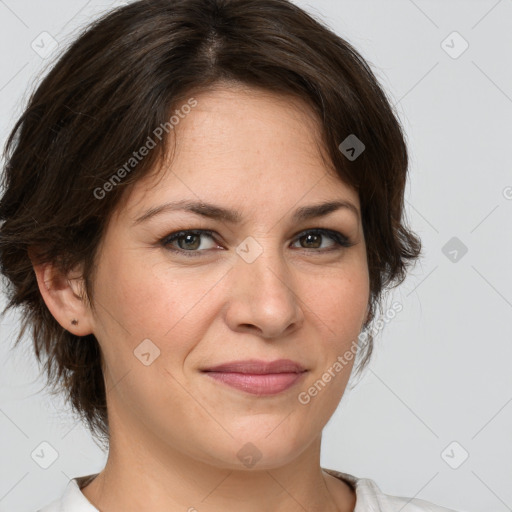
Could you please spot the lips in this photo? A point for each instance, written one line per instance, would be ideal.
(258, 377)
(255, 366)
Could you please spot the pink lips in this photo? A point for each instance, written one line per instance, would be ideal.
(258, 377)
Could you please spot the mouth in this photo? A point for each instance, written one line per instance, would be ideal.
(258, 377)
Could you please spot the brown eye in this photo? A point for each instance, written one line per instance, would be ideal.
(312, 241)
(313, 238)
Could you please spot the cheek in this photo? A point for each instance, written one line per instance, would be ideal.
(147, 330)
(339, 300)
(146, 299)
(338, 310)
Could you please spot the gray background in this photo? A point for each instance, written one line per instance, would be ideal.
(441, 369)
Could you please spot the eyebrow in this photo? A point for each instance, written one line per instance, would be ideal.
(216, 212)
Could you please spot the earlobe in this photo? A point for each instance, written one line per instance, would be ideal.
(64, 296)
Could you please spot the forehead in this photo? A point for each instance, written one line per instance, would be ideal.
(239, 146)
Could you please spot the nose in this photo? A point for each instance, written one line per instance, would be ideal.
(262, 298)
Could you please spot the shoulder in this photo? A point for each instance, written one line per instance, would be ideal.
(72, 500)
(370, 497)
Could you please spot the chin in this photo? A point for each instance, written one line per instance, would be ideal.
(255, 451)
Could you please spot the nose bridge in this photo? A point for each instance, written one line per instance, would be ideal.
(262, 290)
(262, 261)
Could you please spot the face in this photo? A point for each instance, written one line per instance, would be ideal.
(179, 292)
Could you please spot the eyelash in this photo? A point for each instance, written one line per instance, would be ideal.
(341, 240)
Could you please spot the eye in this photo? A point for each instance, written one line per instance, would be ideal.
(313, 239)
(188, 242)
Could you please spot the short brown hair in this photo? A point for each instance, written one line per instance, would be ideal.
(103, 99)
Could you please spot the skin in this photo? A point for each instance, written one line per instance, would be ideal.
(176, 432)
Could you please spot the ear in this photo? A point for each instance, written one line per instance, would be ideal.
(65, 297)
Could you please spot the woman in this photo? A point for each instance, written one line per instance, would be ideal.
(202, 209)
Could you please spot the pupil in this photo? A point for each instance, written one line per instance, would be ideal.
(308, 237)
(187, 238)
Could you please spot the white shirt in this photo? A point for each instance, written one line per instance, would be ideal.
(369, 498)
